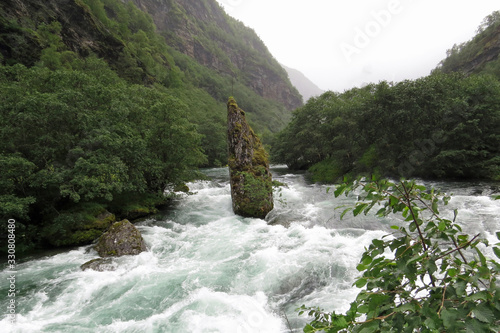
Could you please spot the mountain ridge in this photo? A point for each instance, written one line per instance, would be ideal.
(304, 85)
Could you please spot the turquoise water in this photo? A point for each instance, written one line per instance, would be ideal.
(208, 270)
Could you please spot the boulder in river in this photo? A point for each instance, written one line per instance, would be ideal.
(250, 178)
(121, 239)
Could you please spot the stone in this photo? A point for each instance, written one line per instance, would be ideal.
(250, 178)
(121, 239)
(100, 265)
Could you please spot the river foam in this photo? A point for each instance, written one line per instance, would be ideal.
(208, 270)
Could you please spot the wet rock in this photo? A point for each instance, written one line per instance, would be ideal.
(100, 265)
(250, 178)
(121, 239)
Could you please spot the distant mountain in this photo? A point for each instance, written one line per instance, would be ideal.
(480, 54)
(304, 85)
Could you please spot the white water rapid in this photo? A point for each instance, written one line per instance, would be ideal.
(208, 270)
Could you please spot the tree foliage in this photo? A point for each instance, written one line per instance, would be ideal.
(80, 135)
(427, 276)
(440, 126)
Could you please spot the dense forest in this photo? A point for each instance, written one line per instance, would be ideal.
(101, 111)
(441, 126)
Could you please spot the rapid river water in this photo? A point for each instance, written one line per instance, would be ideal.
(208, 270)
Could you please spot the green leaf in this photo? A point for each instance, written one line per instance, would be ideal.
(395, 227)
(405, 307)
(435, 207)
(366, 260)
(498, 235)
(345, 212)
(481, 257)
(381, 212)
(339, 190)
(370, 327)
(482, 295)
(361, 267)
(449, 318)
(363, 309)
(360, 283)
(483, 313)
(442, 226)
(475, 326)
(452, 272)
(308, 328)
(359, 208)
(497, 251)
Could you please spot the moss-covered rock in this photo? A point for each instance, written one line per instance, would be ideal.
(251, 180)
(121, 239)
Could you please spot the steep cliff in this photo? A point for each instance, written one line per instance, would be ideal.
(202, 30)
(81, 32)
(480, 54)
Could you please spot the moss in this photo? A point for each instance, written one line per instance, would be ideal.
(137, 205)
(81, 237)
(251, 181)
(181, 188)
(122, 238)
(327, 171)
(78, 225)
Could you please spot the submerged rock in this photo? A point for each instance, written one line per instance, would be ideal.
(100, 265)
(251, 181)
(121, 239)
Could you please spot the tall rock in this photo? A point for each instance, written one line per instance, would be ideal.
(251, 181)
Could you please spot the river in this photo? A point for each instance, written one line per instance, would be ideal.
(208, 270)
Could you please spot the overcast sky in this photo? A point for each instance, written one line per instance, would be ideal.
(340, 44)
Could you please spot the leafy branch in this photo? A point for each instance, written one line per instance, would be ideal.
(438, 279)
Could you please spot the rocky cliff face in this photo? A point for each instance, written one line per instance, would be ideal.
(474, 55)
(490, 53)
(251, 181)
(202, 30)
(198, 28)
(80, 32)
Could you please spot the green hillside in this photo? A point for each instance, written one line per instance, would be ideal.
(102, 109)
(478, 55)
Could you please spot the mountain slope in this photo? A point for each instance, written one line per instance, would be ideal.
(480, 54)
(175, 43)
(306, 87)
(202, 30)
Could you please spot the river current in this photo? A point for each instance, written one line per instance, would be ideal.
(208, 270)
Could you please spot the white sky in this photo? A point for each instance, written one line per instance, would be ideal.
(340, 44)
